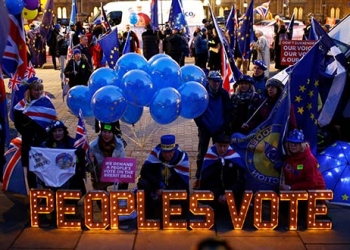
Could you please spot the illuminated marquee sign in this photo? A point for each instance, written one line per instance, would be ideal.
(42, 201)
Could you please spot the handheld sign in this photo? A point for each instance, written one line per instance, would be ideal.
(118, 170)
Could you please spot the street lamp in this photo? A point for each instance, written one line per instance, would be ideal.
(245, 5)
(323, 12)
(218, 3)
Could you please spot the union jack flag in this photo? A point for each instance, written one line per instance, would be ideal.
(227, 74)
(262, 9)
(13, 175)
(30, 71)
(42, 111)
(81, 139)
(104, 20)
(15, 55)
(14, 82)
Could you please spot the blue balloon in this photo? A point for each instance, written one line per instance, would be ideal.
(79, 97)
(133, 18)
(102, 77)
(131, 61)
(156, 57)
(165, 106)
(138, 87)
(165, 72)
(108, 104)
(191, 72)
(194, 99)
(132, 114)
(14, 7)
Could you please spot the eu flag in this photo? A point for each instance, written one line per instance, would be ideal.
(261, 150)
(154, 14)
(47, 19)
(110, 46)
(290, 28)
(74, 12)
(304, 93)
(177, 16)
(246, 32)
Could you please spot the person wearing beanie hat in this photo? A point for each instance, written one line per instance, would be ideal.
(259, 77)
(244, 103)
(222, 170)
(78, 69)
(166, 168)
(107, 144)
(300, 167)
(272, 93)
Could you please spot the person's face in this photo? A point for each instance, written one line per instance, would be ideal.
(221, 148)
(127, 27)
(36, 92)
(107, 136)
(272, 91)
(84, 41)
(77, 56)
(257, 71)
(244, 86)
(168, 155)
(214, 85)
(294, 148)
(58, 134)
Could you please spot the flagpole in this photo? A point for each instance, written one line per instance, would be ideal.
(256, 111)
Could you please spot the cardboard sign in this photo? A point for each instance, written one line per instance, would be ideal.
(118, 170)
(293, 50)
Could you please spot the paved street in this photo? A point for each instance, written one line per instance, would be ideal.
(16, 233)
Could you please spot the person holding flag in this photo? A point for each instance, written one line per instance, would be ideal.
(32, 115)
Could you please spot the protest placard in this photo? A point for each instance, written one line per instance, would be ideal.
(293, 50)
(118, 170)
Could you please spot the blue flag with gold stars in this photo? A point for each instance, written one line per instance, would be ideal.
(177, 16)
(262, 149)
(304, 91)
(245, 33)
(110, 46)
(47, 19)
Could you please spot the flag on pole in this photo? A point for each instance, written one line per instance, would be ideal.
(263, 9)
(4, 29)
(177, 17)
(81, 139)
(45, 26)
(290, 28)
(154, 14)
(13, 174)
(304, 91)
(14, 59)
(110, 47)
(232, 26)
(230, 72)
(73, 13)
(104, 20)
(126, 48)
(245, 33)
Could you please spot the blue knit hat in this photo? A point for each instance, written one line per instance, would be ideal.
(167, 143)
(296, 136)
(76, 51)
(260, 64)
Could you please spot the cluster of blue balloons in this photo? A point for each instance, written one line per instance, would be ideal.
(161, 84)
(16, 7)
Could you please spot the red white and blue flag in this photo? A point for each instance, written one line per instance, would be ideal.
(81, 139)
(14, 59)
(13, 175)
(104, 20)
(263, 9)
(42, 111)
(181, 164)
(227, 74)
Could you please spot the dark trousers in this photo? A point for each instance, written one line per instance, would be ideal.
(203, 144)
